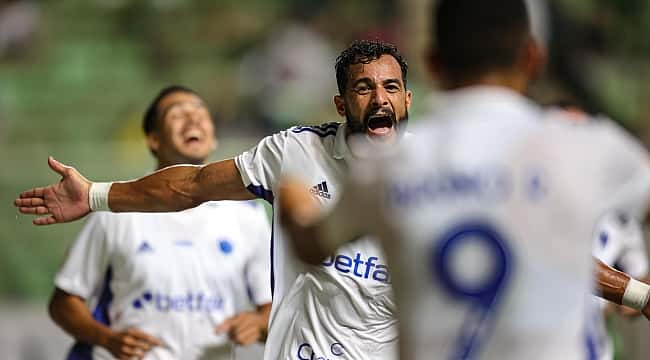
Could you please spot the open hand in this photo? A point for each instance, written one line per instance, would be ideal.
(62, 202)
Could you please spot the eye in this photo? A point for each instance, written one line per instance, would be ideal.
(362, 89)
(393, 88)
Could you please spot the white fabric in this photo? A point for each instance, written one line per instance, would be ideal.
(173, 275)
(343, 309)
(487, 166)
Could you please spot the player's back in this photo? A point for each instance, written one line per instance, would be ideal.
(490, 212)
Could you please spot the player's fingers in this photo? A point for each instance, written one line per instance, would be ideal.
(246, 336)
(36, 192)
(48, 220)
(225, 326)
(145, 338)
(130, 352)
(33, 201)
(136, 343)
(57, 166)
(36, 210)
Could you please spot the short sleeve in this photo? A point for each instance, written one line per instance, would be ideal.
(258, 267)
(86, 261)
(260, 166)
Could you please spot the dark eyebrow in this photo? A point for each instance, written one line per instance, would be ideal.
(390, 81)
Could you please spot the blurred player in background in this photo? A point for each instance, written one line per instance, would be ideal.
(342, 308)
(618, 242)
(487, 214)
(168, 286)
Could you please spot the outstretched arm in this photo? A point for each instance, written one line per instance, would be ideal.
(179, 187)
(170, 189)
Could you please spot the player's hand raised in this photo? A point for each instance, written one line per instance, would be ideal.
(245, 328)
(62, 202)
(130, 344)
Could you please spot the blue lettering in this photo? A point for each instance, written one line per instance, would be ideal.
(329, 262)
(357, 261)
(359, 267)
(381, 274)
(343, 263)
(492, 185)
(369, 265)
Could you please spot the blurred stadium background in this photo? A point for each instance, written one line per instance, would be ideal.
(76, 75)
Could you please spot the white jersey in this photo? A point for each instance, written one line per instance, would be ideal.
(618, 242)
(344, 308)
(489, 214)
(175, 276)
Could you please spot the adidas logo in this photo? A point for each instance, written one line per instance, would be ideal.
(321, 190)
(144, 247)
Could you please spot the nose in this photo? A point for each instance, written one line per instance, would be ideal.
(380, 97)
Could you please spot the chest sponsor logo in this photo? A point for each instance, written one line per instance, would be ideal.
(190, 302)
(359, 266)
(321, 190)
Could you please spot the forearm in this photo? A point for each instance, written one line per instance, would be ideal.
(179, 187)
(72, 315)
(610, 283)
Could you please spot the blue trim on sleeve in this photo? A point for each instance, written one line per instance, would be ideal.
(83, 351)
(260, 191)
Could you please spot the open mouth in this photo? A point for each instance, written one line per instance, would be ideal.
(192, 137)
(380, 124)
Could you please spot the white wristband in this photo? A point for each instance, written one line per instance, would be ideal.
(98, 196)
(636, 295)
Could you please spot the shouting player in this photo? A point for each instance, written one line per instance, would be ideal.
(341, 308)
(168, 286)
(487, 214)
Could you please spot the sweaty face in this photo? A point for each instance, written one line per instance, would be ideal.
(185, 132)
(375, 99)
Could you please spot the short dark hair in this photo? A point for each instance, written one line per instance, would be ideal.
(150, 119)
(473, 37)
(363, 52)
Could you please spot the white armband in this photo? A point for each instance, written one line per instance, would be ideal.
(98, 196)
(636, 294)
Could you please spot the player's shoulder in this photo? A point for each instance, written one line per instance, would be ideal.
(314, 132)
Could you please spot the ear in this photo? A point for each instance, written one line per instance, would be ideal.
(409, 99)
(153, 142)
(534, 59)
(339, 102)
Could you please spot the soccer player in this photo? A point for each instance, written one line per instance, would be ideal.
(487, 214)
(168, 285)
(341, 308)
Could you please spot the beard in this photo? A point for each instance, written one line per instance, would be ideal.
(361, 126)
